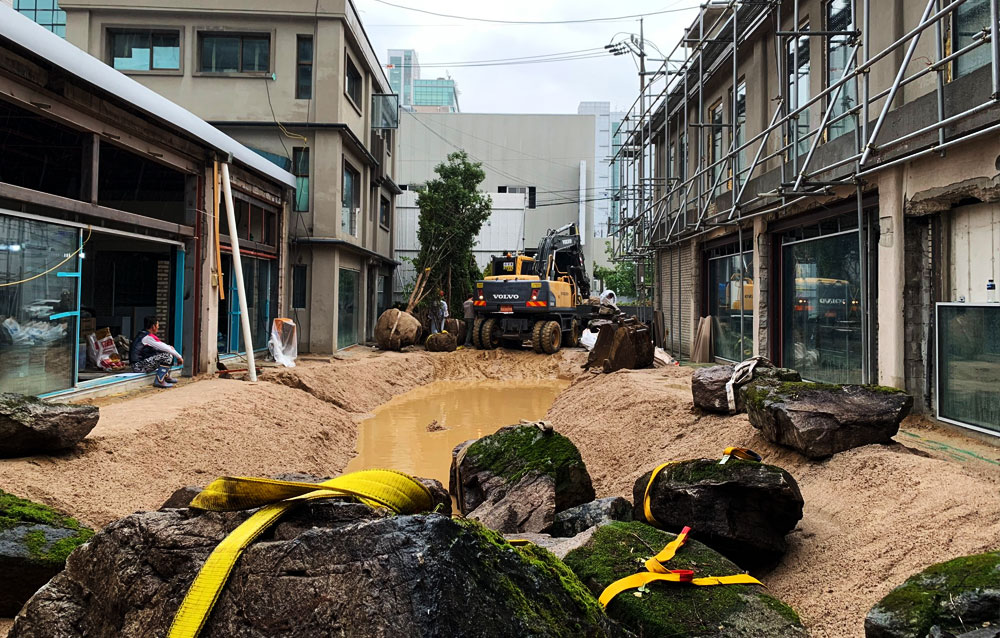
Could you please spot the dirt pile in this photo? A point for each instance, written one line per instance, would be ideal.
(873, 516)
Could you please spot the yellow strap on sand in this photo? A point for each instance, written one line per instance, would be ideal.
(385, 488)
(658, 573)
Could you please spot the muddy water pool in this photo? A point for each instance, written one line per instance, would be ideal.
(416, 432)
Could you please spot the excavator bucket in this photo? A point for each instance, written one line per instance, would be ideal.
(620, 345)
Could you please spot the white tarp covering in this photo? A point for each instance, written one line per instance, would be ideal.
(283, 343)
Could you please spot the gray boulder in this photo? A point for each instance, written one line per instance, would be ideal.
(34, 543)
(29, 425)
(327, 569)
(708, 385)
(518, 478)
(560, 546)
(595, 513)
(819, 420)
(181, 497)
(959, 597)
(742, 509)
(618, 550)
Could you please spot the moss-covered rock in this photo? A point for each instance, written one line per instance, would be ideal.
(490, 467)
(677, 610)
(742, 509)
(708, 385)
(29, 425)
(34, 543)
(821, 419)
(954, 596)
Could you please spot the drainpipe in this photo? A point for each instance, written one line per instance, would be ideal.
(238, 271)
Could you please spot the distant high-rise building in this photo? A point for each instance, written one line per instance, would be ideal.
(45, 12)
(605, 174)
(439, 95)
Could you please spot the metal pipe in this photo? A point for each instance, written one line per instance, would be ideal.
(863, 260)
(238, 271)
(995, 45)
(939, 87)
(934, 149)
(756, 159)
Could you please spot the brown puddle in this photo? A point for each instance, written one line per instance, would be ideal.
(397, 436)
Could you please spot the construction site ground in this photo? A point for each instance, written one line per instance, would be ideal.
(873, 516)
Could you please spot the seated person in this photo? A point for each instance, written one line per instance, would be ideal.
(148, 353)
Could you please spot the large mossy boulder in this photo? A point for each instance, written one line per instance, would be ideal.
(328, 568)
(950, 598)
(29, 425)
(595, 513)
(741, 509)
(819, 419)
(396, 329)
(518, 478)
(674, 609)
(34, 543)
(708, 385)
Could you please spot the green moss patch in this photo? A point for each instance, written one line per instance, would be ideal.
(620, 549)
(515, 452)
(16, 511)
(929, 598)
(707, 470)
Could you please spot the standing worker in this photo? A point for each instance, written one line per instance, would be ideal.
(439, 312)
(148, 353)
(470, 318)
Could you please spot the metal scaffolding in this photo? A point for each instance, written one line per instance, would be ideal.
(660, 208)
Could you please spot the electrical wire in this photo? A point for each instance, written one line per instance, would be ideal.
(524, 57)
(56, 267)
(495, 21)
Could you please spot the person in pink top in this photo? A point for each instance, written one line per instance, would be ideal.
(148, 353)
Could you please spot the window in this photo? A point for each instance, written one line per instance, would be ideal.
(730, 301)
(512, 189)
(838, 57)
(235, 53)
(798, 90)
(44, 12)
(353, 86)
(304, 68)
(300, 168)
(146, 50)
(741, 135)
(968, 364)
(971, 17)
(383, 213)
(350, 204)
(299, 286)
(714, 147)
(531, 197)
(348, 301)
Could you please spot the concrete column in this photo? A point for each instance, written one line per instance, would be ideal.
(208, 280)
(891, 265)
(761, 257)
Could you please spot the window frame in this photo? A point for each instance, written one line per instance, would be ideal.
(110, 30)
(299, 64)
(848, 124)
(201, 34)
(384, 212)
(716, 135)
(297, 271)
(297, 153)
(956, 70)
(355, 208)
(349, 65)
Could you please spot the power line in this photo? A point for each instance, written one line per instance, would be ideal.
(495, 21)
(524, 57)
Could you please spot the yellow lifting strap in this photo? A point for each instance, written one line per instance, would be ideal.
(738, 452)
(397, 491)
(658, 573)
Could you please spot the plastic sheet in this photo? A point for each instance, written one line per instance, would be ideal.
(588, 339)
(284, 343)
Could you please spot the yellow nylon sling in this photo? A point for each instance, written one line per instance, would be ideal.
(658, 573)
(384, 488)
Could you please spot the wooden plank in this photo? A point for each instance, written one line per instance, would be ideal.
(29, 196)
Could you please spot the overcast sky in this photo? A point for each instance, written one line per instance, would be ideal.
(554, 87)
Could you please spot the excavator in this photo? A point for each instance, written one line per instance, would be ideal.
(533, 295)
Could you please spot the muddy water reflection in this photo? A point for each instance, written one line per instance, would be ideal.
(397, 436)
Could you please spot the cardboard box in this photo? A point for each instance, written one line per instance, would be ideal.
(87, 325)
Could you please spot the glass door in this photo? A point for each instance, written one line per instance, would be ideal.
(347, 305)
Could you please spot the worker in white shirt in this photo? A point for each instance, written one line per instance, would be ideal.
(148, 353)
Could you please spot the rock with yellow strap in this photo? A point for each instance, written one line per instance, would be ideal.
(309, 561)
(677, 587)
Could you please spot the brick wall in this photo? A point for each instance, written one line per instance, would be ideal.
(918, 309)
(163, 297)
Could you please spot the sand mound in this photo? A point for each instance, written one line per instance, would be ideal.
(873, 516)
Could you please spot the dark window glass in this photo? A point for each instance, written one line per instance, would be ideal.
(971, 18)
(531, 197)
(838, 57)
(969, 364)
(235, 53)
(350, 200)
(353, 87)
(383, 213)
(741, 133)
(300, 168)
(304, 68)
(299, 286)
(348, 301)
(798, 89)
(715, 148)
(145, 50)
(730, 304)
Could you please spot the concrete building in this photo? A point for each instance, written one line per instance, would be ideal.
(423, 95)
(839, 222)
(44, 12)
(539, 171)
(606, 171)
(297, 81)
(107, 216)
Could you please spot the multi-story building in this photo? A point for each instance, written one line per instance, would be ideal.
(298, 82)
(820, 178)
(44, 12)
(108, 216)
(439, 95)
(606, 163)
(539, 171)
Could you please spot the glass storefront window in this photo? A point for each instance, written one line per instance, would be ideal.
(821, 307)
(347, 304)
(969, 364)
(260, 280)
(38, 312)
(730, 303)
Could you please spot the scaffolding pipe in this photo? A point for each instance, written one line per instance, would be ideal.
(238, 271)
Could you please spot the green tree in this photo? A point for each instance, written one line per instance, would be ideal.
(620, 278)
(452, 210)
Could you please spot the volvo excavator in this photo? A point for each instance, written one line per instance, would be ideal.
(534, 295)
